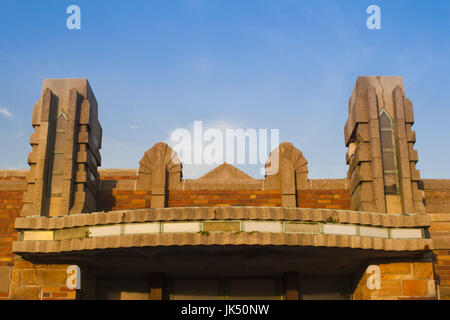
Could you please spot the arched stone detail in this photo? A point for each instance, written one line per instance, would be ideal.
(159, 168)
(287, 170)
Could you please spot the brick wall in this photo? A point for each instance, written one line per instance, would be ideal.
(327, 199)
(214, 198)
(110, 200)
(10, 206)
(128, 199)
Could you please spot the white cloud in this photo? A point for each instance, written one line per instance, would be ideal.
(134, 127)
(6, 113)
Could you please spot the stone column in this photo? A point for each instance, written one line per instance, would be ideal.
(371, 97)
(63, 177)
(409, 176)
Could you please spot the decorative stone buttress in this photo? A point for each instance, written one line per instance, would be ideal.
(381, 156)
(63, 177)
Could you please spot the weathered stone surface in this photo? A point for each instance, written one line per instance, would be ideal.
(444, 293)
(390, 288)
(71, 233)
(37, 235)
(5, 275)
(441, 241)
(422, 270)
(55, 144)
(374, 94)
(414, 288)
(221, 226)
(25, 293)
(302, 227)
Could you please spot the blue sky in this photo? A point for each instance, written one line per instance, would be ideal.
(156, 66)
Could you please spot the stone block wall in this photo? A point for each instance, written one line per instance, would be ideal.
(39, 282)
(409, 280)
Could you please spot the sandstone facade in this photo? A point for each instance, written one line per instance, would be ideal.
(382, 232)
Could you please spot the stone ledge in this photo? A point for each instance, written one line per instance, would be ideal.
(194, 239)
(221, 226)
(224, 213)
(13, 173)
(436, 184)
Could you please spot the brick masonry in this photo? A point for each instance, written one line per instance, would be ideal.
(218, 198)
(128, 199)
(328, 199)
(10, 207)
(118, 193)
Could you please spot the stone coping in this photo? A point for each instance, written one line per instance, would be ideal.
(223, 213)
(222, 238)
(236, 226)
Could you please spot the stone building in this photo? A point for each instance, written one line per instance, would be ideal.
(382, 232)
